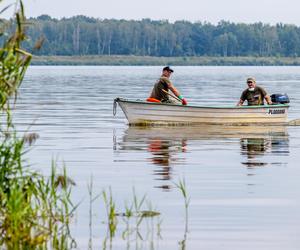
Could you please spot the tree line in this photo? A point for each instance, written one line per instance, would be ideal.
(81, 35)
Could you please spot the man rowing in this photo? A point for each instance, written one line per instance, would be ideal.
(162, 86)
(255, 95)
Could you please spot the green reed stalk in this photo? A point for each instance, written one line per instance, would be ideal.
(92, 199)
(182, 187)
(133, 217)
(35, 210)
(111, 213)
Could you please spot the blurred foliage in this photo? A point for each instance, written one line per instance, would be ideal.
(13, 59)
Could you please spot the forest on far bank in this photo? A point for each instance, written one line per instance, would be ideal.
(81, 35)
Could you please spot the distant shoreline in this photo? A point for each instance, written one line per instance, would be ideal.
(122, 60)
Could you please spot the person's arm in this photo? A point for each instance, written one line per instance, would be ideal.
(268, 99)
(242, 98)
(266, 96)
(240, 102)
(174, 90)
(177, 93)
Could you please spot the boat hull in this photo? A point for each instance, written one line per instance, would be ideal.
(144, 113)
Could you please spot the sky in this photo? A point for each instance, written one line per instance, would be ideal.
(213, 11)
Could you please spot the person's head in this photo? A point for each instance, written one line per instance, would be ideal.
(251, 83)
(167, 71)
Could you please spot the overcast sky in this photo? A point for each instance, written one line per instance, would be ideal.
(247, 11)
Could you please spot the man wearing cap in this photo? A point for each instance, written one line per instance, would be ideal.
(163, 85)
(255, 95)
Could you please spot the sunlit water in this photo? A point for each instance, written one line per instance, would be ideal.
(243, 182)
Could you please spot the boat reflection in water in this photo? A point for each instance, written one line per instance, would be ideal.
(165, 149)
(167, 145)
(164, 154)
(276, 143)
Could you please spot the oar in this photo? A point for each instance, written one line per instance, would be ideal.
(175, 97)
(295, 122)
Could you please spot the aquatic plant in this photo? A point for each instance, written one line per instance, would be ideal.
(111, 213)
(182, 187)
(35, 210)
(134, 214)
(92, 199)
(14, 61)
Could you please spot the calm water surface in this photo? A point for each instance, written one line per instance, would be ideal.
(243, 181)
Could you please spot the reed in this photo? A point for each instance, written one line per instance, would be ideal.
(92, 199)
(35, 210)
(14, 61)
(182, 187)
(111, 212)
(134, 221)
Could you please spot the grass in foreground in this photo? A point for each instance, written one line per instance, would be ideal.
(35, 210)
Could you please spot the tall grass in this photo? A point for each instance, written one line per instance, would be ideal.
(181, 185)
(35, 210)
(14, 61)
(134, 222)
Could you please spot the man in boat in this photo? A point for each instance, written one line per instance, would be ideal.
(255, 95)
(161, 88)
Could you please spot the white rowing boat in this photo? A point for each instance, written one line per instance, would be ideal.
(140, 112)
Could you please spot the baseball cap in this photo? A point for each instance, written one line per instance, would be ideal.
(168, 69)
(250, 79)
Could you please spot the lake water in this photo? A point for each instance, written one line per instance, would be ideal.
(243, 182)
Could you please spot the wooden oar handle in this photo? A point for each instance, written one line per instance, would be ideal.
(175, 97)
